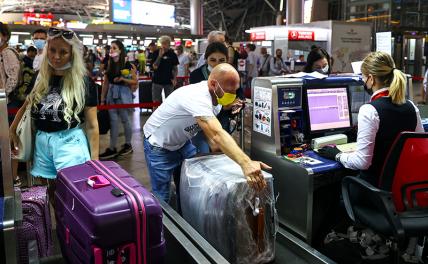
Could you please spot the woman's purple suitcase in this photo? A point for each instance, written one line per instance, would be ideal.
(105, 216)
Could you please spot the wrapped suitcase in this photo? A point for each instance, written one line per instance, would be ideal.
(34, 235)
(218, 202)
(105, 216)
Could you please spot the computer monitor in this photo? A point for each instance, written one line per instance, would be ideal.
(328, 109)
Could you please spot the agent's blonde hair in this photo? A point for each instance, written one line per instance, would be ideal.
(73, 82)
(382, 67)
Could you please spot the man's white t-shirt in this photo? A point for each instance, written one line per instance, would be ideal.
(37, 62)
(183, 59)
(174, 122)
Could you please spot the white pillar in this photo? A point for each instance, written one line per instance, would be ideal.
(196, 22)
(294, 12)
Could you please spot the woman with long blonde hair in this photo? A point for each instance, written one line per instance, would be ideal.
(381, 120)
(63, 107)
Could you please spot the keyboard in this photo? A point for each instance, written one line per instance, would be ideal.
(348, 147)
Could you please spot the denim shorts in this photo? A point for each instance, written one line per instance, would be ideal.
(57, 150)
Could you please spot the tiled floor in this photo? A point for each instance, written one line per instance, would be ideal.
(134, 163)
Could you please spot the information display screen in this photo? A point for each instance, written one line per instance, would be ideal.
(143, 12)
(328, 109)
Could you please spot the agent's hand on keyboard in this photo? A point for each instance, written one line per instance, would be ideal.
(329, 152)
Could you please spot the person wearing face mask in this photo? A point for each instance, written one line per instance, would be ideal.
(119, 82)
(215, 54)
(318, 60)
(381, 120)
(165, 70)
(277, 65)
(39, 40)
(63, 107)
(168, 131)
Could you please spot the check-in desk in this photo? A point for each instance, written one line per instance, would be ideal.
(307, 190)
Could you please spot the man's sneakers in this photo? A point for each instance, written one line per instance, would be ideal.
(108, 154)
(112, 153)
(126, 149)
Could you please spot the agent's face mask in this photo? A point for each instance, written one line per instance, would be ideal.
(368, 90)
(226, 99)
(323, 70)
(39, 43)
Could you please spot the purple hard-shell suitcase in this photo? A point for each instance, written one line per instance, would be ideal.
(35, 232)
(105, 216)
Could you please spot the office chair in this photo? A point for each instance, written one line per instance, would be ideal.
(398, 206)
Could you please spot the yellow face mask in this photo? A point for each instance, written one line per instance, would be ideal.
(226, 99)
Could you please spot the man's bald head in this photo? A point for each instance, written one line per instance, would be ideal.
(226, 75)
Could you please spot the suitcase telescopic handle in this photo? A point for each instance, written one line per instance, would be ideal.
(97, 181)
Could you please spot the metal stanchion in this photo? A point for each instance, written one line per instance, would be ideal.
(11, 211)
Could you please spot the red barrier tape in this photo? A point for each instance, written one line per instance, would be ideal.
(417, 78)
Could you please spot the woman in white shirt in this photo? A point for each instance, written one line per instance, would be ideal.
(381, 120)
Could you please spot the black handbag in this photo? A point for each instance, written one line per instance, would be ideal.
(103, 121)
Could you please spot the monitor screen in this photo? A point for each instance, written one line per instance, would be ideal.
(328, 109)
(143, 12)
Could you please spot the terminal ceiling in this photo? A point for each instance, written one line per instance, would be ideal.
(231, 16)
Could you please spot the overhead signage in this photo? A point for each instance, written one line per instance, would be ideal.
(301, 35)
(143, 12)
(258, 36)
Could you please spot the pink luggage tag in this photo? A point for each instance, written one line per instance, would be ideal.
(97, 181)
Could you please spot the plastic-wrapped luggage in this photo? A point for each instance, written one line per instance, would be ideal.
(105, 216)
(218, 202)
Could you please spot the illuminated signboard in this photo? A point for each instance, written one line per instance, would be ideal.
(301, 35)
(142, 12)
(257, 36)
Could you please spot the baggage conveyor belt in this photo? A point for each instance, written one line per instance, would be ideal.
(184, 245)
(289, 249)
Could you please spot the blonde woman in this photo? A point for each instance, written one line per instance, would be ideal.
(63, 108)
(381, 120)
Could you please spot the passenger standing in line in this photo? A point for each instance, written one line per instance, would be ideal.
(251, 63)
(141, 57)
(264, 62)
(150, 55)
(381, 120)
(183, 66)
(165, 70)
(213, 36)
(9, 76)
(318, 60)
(104, 62)
(215, 54)
(119, 80)
(39, 40)
(277, 65)
(187, 111)
(63, 105)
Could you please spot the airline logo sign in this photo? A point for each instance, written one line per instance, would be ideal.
(301, 35)
(258, 36)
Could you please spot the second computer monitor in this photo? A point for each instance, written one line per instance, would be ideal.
(328, 109)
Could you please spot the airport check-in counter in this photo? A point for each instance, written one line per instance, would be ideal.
(305, 190)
